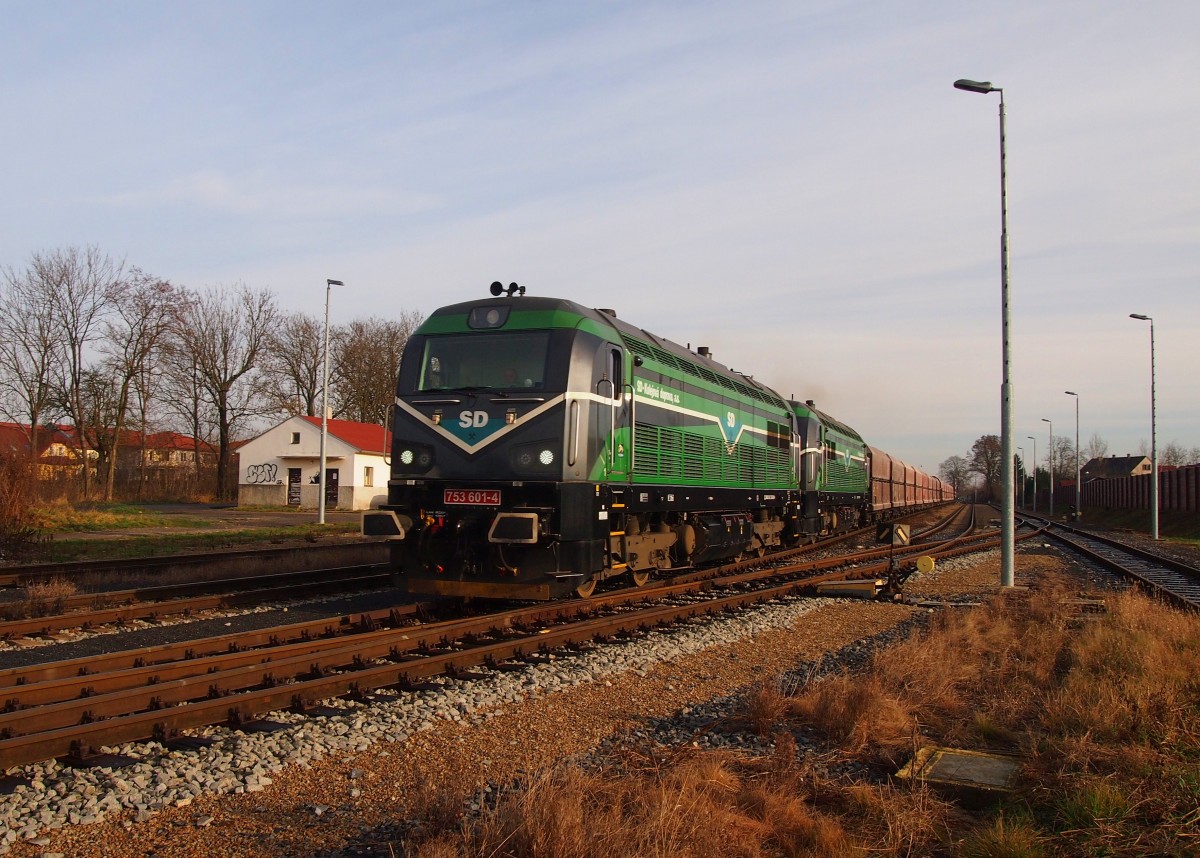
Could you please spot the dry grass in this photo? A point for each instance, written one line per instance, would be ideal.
(61, 516)
(19, 531)
(699, 805)
(44, 598)
(765, 706)
(1106, 712)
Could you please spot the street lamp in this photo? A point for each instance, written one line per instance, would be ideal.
(1153, 434)
(1007, 529)
(1078, 464)
(1035, 466)
(321, 476)
(1021, 475)
(1050, 458)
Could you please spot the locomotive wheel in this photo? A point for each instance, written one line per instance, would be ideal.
(586, 589)
(639, 578)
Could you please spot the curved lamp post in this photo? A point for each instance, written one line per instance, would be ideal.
(1050, 457)
(1078, 464)
(1035, 467)
(1021, 475)
(1153, 434)
(1007, 529)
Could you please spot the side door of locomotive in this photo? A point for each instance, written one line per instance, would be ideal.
(615, 399)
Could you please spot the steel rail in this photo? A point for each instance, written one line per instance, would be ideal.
(390, 644)
(16, 576)
(81, 682)
(86, 668)
(360, 578)
(1161, 576)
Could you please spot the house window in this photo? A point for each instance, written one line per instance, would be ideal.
(295, 437)
(368, 476)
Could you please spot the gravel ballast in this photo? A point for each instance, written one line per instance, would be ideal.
(343, 784)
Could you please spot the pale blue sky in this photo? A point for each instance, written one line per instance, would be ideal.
(796, 185)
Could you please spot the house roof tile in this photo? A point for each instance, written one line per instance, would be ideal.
(364, 437)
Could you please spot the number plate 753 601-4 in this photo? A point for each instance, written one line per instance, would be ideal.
(474, 497)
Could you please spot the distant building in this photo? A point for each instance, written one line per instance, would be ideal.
(162, 450)
(280, 467)
(61, 453)
(58, 455)
(1116, 466)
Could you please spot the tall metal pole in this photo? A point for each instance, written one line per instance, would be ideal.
(1007, 513)
(1021, 475)
(1078, 467)
(1153, 433)
(321, 476)
(1051, 460)
(1035, 467)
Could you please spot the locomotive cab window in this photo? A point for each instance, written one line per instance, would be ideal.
(500, 361)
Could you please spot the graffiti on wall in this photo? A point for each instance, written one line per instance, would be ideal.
(264, 473)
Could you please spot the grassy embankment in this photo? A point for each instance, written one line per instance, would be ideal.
(105, 532)
(1103, 708)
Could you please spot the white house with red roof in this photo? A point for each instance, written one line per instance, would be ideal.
(281, 466)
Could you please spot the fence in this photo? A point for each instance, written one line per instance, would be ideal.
(1178, 491)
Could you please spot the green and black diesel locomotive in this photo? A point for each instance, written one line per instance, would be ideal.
(540, 447)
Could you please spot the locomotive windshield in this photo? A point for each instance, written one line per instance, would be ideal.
(500, 360)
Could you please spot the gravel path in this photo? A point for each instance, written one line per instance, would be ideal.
(342, 785)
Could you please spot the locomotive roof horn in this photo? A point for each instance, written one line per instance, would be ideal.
(499, 288)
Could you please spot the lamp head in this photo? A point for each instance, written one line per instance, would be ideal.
(334, 283)
(975, 85)
(1071, 393)
(1140, 316)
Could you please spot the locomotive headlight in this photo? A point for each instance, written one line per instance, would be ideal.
(535, 459)
(413, 458)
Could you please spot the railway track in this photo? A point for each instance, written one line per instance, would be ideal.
(1163, 576)
(72, 708)
(90, 610)
(195, 567)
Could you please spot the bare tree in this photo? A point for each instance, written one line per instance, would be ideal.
(985, 460)
(28, 355)
(81, 288)
(293, 365)
(1096, 448)
(98, 408)
(145, 312)
(366, 356)
(1063, 450)
(1174, 454)
(957, 472)
(222, 336)
(183, 395)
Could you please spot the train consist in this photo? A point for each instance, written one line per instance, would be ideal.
(540, 447)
